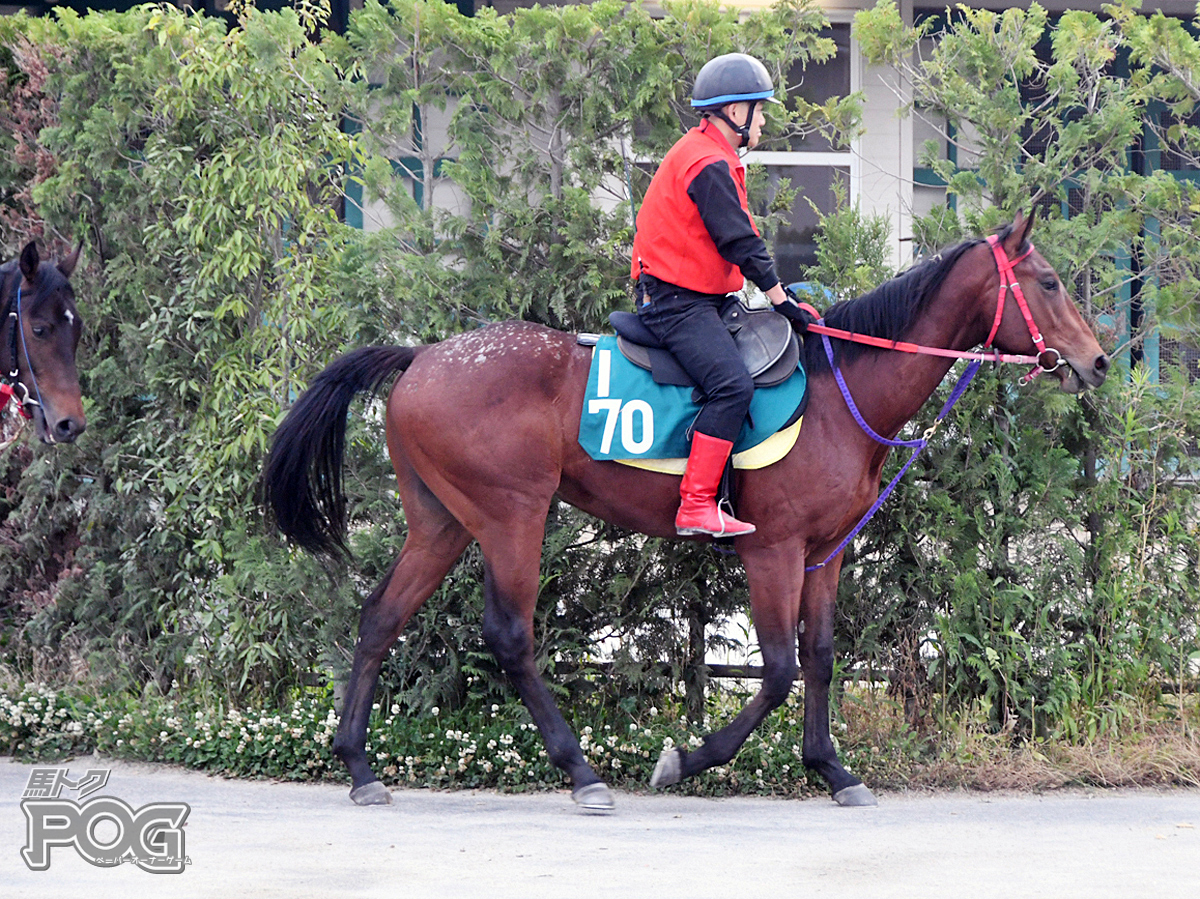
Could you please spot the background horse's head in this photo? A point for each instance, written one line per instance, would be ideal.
(1072, 353)
(38, 338)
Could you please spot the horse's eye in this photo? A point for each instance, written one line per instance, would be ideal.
(40, 331)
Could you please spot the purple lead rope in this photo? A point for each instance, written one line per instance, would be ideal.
(915, 445)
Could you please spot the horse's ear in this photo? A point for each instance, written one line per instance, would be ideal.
(30, 260)
(1022, 225)
(67, 265)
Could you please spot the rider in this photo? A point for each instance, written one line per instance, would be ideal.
(695, 243)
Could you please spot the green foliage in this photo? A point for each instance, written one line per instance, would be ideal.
(548, 111)
(495, 746)
(1039, 561)
(207, 169)
(853, 251)
(1038, 567)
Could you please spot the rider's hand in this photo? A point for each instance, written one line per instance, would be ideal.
(801, 315)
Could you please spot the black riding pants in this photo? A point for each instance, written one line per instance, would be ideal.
(689, 325)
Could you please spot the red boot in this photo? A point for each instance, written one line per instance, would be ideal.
(698, 509)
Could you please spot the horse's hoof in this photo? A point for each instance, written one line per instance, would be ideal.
(595, 798)
(857, 796)
(373, 793)
(669, 769)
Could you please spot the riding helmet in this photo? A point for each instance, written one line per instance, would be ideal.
(731, 78)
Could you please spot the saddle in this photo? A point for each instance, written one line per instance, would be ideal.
(765, 339)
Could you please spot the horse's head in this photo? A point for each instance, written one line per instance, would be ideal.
(1070, 350)
(38, 338)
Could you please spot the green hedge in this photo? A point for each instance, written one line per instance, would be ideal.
(1039, 564)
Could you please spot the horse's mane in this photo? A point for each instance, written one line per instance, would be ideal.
(889, 310)
(6, 271)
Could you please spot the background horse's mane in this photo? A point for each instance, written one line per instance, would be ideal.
(890, 309)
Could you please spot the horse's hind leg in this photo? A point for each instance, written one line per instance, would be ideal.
(511, 577)
(434, 543)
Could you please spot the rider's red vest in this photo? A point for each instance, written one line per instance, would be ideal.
(671, 242)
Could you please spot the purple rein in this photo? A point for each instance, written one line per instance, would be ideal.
(915, 445)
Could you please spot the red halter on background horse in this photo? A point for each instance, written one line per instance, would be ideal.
(39, 333)
(482, 430)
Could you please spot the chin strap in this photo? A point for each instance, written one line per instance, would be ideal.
(742, 131)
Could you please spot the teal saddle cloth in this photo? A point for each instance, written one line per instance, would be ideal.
(626, 415)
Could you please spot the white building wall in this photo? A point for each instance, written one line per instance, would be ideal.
(881, 175)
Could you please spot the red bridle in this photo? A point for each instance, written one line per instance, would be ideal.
(1008, 281)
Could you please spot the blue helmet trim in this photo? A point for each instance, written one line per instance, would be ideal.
(733, 98)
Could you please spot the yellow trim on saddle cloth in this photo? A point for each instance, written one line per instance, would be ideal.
(766, 453)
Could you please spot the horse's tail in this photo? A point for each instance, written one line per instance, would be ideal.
(302, 478)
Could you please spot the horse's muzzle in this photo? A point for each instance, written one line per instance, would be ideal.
(64, 429)
(1076, 378)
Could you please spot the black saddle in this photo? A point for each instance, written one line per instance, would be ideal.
(765, 339)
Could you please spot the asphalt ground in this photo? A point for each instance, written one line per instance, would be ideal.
(259, 838)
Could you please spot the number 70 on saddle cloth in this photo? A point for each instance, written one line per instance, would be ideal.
(627, 415)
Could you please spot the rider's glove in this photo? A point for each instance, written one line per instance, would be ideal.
(801, 315)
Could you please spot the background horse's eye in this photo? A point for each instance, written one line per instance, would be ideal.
(40, 331)
(1050, 285)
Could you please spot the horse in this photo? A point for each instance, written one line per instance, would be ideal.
(39, 335)
(482, 430)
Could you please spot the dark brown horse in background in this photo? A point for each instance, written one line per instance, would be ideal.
(482, 431)
(39, 334)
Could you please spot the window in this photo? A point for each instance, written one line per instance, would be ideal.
(810, 163)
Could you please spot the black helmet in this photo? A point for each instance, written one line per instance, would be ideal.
(732, 78)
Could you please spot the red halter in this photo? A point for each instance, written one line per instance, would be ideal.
(1008, 281)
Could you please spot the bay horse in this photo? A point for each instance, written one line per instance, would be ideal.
(39, 336)
(482, 430)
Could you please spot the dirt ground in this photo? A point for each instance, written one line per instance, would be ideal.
(255, 839)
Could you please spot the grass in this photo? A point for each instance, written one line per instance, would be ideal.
(497, 747)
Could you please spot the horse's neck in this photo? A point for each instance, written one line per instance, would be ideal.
(895, 385)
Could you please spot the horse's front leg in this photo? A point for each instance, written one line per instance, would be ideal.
(816, 664)
(775, 579)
